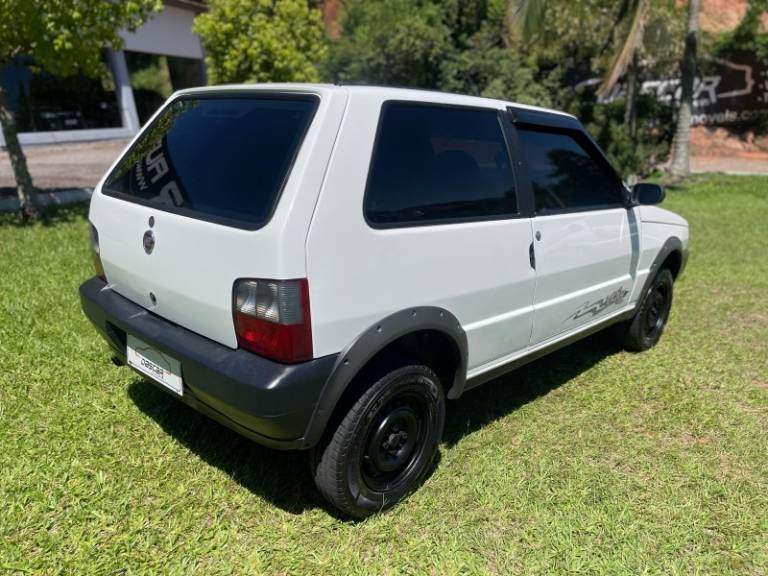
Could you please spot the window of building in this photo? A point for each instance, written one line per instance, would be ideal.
(154, 78)
(436, 163)
(565, 174)
(43, 102)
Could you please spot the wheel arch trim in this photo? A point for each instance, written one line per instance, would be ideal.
(671, 245)
(372, 341)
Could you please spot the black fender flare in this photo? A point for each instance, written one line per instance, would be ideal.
(671, 245)
(373, 340)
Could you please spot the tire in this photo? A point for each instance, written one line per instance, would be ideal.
(385, 445)
(647, 326)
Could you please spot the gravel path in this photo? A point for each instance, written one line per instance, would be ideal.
(745, 163)
(79, 165)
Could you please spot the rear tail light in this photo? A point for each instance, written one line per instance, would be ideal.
(272, 318)
(96, 253)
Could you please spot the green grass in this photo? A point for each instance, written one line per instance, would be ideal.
(590, 461)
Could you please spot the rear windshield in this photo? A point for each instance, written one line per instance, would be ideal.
(219, 159)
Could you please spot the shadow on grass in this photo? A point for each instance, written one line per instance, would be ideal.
(495, 399)
(49, 215)
(283, 477)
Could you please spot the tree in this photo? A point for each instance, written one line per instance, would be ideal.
(393, 42)
(262, 41)
(621, 38)
(680, 165)
(451, 45)
(529, 17)
(63, 37)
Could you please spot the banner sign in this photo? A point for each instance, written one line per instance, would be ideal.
(725, 92)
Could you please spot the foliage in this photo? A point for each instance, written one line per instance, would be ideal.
(393, 42)
(484, 63)
(496, 73)
(67, 36)
(64, 37)
(590, 461)
(477, 47)
(262, 41)
(748, 37)
(536, 18)
(456, 45)
(636, 155)
(151, 73)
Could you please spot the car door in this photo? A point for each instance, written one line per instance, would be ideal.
(439, 224)
(583, 241)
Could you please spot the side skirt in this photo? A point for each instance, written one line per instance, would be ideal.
(516, 363)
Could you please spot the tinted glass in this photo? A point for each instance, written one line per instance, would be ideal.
(564, 175)
(218, 159)
(435, 163)
(42, 102)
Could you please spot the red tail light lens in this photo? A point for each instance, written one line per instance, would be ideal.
(272, 318)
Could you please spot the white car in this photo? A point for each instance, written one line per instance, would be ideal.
(320, 267)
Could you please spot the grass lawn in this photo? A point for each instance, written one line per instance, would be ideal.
(590, 461)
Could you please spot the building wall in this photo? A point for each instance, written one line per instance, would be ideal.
(167, 33)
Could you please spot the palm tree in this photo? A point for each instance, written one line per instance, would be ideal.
(527, 17)
(680, 165)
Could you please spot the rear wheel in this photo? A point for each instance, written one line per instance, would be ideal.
(385, 445)
(646, 328)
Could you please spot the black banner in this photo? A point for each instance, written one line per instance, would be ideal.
(726, 92)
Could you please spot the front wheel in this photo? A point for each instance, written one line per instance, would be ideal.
(385, 445)
(645, 329)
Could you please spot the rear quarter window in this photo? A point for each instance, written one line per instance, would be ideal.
(221, 159)
(436, 164)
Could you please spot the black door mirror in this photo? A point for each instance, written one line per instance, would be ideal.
(647, 194)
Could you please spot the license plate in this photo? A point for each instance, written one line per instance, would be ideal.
(155, 364)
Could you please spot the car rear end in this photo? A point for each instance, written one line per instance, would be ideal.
(198, 235)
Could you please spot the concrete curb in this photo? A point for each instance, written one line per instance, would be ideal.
(729, 172)
(59, 198)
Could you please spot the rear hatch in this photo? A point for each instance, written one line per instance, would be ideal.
(185, 212)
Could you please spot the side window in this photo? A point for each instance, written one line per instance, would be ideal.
(564, 174)
(433, 163)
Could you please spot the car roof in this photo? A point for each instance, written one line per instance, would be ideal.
(388, 92)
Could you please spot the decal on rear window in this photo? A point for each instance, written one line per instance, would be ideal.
(223, 159)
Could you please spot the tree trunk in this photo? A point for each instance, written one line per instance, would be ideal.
(24, 187)
(630, 110)
(680, 166)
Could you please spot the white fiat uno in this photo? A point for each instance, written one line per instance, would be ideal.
(320, 267)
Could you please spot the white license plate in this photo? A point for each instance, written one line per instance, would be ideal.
(155, 364)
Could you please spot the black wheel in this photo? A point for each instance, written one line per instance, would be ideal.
(385, 445)
(645, 329)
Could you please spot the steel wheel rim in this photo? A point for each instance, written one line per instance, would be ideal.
(395, 442)
(656, 311)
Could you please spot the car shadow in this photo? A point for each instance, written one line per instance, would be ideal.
(48, 216)
(493, 400)
(283, 477)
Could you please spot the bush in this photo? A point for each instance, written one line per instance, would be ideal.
(262, 41)
(631, 154)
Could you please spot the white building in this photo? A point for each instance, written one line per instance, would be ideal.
(162, 56)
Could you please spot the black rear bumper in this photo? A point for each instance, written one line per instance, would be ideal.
(269, 402)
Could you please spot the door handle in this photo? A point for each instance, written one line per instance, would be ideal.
(532, 256)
